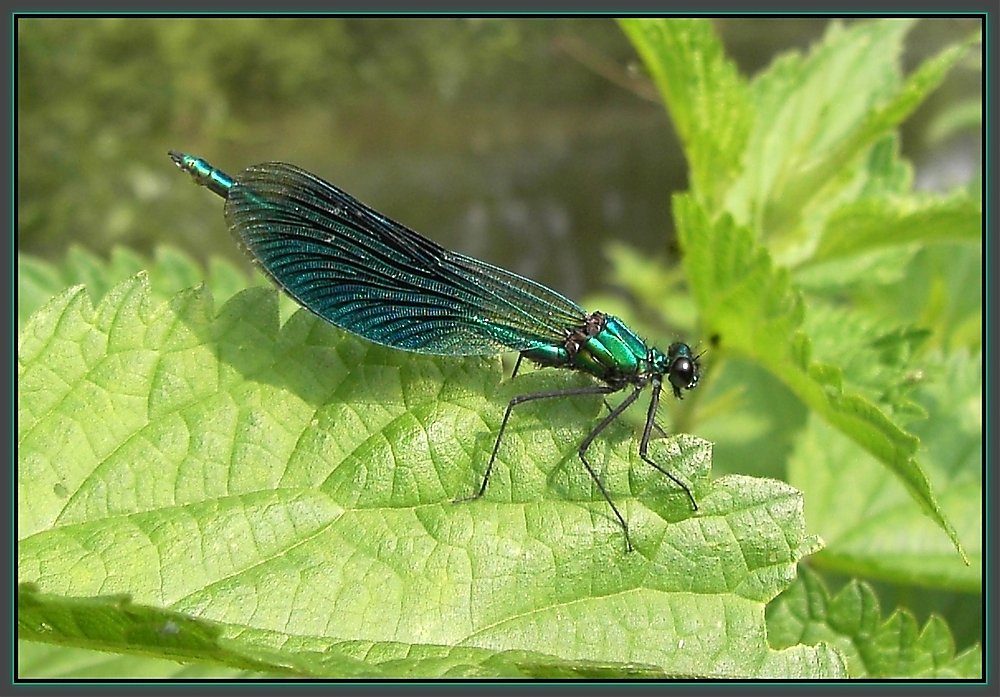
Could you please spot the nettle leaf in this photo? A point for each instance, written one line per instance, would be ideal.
(288, 492)
(110, 622)
(946, 286)
(808, 108)
(935, 288)
(751, 306)
(871, 224)
(709, 102)
(879, 358)
(857, 280)
(105, 622)
(885, 173)
(37, 660)
(851, 620)
(869, 526)
(813, 183)
(170, 272)
(818, 115)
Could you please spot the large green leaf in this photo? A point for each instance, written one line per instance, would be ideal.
(288, 491)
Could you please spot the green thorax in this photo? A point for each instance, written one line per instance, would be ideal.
(605, 348)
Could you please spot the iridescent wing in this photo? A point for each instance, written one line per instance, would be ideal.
(375, 277)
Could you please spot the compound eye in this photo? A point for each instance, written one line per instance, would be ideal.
(683, 373)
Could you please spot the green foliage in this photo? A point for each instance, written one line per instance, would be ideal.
(869, 524)
(825, 184)
(54, 661)
(114, 621)
(873, 647)
(810, 258)
(761, 318)
(292, 487)
(170, 271)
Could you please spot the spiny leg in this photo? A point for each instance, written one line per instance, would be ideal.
(521, 399)
(654, 401)
(582, 452)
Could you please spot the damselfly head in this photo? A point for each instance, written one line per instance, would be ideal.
(682, 368)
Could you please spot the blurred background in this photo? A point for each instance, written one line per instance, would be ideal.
(528, 143)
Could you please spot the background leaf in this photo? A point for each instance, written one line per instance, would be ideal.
(869, 527)
(36, 659)
(830, 290)
(170, 271)
(759, 317)
(875, 647)
(873, 224)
